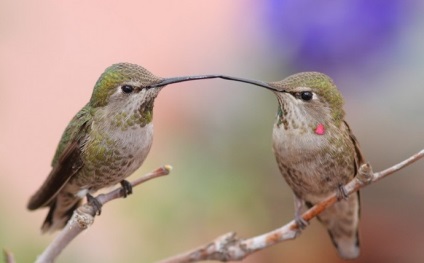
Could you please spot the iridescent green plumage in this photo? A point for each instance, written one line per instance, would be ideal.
(117, 74)
(73, 132)
(105, 142)
(317, 153)
(321, 84)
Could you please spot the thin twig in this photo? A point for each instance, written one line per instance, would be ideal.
(83, 217)
(229, 247)
(8, 256)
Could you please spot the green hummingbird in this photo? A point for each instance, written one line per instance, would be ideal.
(106, 141)
(317, 152)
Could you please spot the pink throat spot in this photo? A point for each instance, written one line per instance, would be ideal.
(320, 130)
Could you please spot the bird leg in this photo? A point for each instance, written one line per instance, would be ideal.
(127, 188)
(341, 192)
(298, 207)
(95, 204)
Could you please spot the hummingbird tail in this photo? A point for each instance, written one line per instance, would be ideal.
(59, 214)
(342, 221)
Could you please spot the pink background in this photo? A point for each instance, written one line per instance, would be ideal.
(216, 134)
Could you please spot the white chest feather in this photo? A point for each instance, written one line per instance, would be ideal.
(296, 144)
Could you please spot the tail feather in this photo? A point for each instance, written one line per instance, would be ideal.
(342, 221)
(59, 215)
(347, 246)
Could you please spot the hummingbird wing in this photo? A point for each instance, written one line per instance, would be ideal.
(359, 160)
(66, 162)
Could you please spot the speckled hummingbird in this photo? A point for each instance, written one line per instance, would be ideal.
(317, 153)
(104, 143)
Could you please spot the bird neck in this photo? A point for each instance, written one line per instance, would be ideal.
(130, 116)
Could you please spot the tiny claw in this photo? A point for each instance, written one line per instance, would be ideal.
(300, 222)
(95, 203)
(298, 207)
(127, 186)
(341, 193)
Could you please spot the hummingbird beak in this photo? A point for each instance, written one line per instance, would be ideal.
(167, 81)
(250, 81)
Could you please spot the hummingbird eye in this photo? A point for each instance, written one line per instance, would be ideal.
(127, 89)
(306, 95)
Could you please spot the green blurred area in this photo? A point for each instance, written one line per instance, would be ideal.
(215, 134)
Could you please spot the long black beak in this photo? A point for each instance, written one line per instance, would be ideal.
(188, 78)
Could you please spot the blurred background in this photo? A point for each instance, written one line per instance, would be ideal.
(216, 134)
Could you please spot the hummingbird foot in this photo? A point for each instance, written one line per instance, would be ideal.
(300, 222)
(95, 203)
(341, 193)
(298, 207)
(127, 188)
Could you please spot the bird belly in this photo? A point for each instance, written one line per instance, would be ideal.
(113, 158)
(309, 164)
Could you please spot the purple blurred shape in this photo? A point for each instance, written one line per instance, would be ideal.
(334, 35)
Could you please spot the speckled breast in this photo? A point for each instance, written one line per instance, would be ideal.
(111, 157)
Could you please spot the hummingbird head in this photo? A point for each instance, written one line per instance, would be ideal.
(122, 83)
(313, 95)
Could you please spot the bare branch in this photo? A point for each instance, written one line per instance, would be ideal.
(8, 256)
(83, 217)
(229, 247)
